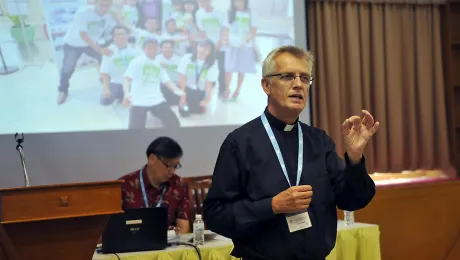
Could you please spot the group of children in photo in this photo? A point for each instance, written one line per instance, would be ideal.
(148, 65)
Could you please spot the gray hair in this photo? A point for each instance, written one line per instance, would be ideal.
(269, 64)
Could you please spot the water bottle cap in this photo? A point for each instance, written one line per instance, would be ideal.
(198, 216)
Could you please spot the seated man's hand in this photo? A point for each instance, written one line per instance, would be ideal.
(176, 229)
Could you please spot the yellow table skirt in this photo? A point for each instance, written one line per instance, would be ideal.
(359, 241)
(211, 252)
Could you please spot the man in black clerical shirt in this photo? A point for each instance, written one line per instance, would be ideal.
(277, 181)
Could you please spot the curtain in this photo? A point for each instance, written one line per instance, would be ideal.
(386, 58)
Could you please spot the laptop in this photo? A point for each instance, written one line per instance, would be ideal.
(135, 230)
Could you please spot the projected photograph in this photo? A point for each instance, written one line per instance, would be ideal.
(94, 65)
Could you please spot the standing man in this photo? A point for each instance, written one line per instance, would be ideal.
(85, 35)
(142, 89)
(143, 188)
(113, 67)
(170, 62)
(277, 181)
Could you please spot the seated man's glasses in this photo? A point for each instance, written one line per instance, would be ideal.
(170, 166)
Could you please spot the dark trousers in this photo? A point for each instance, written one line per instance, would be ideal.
(171, 98)
(71, 56)
(194, 98)
(138, 116)
(116, 93)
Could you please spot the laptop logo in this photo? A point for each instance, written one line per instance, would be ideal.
(134, 230)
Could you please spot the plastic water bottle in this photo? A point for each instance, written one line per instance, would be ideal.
(349, 217)
(198, 231)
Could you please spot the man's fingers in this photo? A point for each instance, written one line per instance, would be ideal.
(364, 118)
(346, 127)
(368, 119)
(302, 188)
(355, 121)
(352, 122)
(303, 201)
(375, 127)
(303, 194)
(303, 204)
(307, 194)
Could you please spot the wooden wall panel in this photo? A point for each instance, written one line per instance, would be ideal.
(417, 221)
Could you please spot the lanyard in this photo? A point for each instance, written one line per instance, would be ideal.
(278, 151)
(198, 73)
(146, 201)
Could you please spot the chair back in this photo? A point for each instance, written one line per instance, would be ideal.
(198, 188)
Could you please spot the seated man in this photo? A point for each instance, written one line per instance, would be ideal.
(144, 187)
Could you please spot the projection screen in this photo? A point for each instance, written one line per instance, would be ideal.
(98, 133)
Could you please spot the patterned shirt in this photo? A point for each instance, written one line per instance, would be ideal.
(176, 197)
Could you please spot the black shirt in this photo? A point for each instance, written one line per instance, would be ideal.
(248, 175)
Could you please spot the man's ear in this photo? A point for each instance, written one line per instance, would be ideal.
(152, 158)
(265, 85)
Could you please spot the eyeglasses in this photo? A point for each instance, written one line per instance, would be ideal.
(170, 166)
(290, 77)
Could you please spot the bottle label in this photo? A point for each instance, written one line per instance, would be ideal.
(198, 233)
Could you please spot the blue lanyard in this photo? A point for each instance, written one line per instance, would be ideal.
(146, 201)
(278, 151)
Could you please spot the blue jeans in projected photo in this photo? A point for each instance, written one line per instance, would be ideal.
(71, 56)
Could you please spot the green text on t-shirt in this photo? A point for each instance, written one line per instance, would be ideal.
(243, 23)
(95, 27)
(211, 25)
(150, 73)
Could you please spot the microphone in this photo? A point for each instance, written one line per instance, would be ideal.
(164, 188)
(19, 140)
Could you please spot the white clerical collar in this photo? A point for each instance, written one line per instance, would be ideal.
(288, 128)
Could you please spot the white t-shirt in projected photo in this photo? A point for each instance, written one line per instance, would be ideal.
(180, 45)
(116, 65)
(146, 75)
(240, 29)
(131, 14)
(170, 65)
(87, 20)
(141, 35)
(211, 23)
(191, 69)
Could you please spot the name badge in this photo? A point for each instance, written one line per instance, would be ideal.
(298, 221)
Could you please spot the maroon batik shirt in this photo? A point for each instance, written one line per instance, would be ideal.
(176, 197)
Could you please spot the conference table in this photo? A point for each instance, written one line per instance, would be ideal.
(357, 241)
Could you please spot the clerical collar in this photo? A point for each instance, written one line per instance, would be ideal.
(278, 124)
